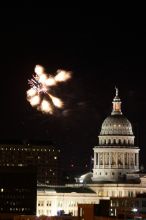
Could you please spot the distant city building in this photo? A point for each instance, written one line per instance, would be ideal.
(44, 158)
(18, 190)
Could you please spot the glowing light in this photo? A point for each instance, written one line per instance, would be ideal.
(46, 107)
(35, 100)
(62, 76)
(50, 81)
(39, 94)
(31, 92)
(42, 78)
(134, 209)
(39, 70)
(56, 101)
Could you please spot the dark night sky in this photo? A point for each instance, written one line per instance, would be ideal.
(101, 51)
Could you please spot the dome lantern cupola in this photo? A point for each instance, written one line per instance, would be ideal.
(116, 104)
(116, 123)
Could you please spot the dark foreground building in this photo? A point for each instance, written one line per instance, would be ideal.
(44, 157)
(18, 190)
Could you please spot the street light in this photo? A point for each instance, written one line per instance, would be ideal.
(134, 210)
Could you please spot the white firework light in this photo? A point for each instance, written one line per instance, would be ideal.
(39, 94)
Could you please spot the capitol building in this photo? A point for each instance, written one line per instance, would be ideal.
(115, 170)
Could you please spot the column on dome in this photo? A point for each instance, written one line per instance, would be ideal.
(138, 160)
(103, 159)
(110, 159)
(97, 159)
(132, 160)
(94, 159)
(135, 162)
(100, 159)
(123, 157)
(107, 159)
(127, 160)
(116, 159)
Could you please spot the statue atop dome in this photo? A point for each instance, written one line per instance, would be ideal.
(117, 91)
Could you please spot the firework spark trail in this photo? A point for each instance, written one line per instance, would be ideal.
(40, 85)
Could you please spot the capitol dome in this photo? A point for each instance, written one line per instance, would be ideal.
(116, 123)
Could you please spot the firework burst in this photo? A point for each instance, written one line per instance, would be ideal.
(41, 83)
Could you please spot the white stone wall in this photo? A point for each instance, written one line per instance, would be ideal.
(48, 203)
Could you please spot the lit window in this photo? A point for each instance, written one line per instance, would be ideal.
(20, 165)
(55, 158)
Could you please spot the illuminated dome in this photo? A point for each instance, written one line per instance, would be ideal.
(116, 123)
